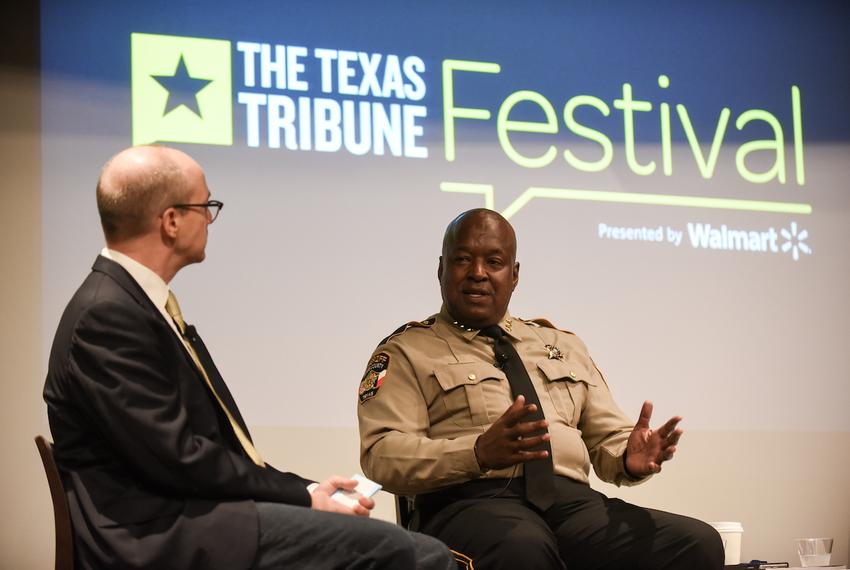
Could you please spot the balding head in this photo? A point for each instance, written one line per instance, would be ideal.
(478, 270)
(480, 217)
(136, 185)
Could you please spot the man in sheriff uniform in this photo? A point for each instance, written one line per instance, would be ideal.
(491, 423)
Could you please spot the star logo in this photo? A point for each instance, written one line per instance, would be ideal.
(181, 89)
(795, 242)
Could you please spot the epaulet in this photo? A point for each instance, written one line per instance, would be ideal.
(544, 323)
(412, 324)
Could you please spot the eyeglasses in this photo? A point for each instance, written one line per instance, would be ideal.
(213, 208)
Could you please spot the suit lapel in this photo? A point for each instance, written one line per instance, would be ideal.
(215, 377)
(126, 281)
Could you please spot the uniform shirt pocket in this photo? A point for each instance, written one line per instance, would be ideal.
(473, 392)
(567, 383)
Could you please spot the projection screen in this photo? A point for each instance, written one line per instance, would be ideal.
(676, 174)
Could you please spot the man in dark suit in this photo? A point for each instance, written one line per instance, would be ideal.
(158, 465)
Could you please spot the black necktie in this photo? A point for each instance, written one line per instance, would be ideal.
(539, 481)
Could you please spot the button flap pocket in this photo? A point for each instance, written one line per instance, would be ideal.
(558, 370)
(457, 374)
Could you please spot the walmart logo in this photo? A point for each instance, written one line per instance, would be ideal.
(795, 242)
(181, 90)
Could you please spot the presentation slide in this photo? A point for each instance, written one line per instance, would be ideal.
(676, 173)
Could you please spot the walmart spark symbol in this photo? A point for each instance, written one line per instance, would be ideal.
(795, 242)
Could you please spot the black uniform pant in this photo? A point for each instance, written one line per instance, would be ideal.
(489, 526)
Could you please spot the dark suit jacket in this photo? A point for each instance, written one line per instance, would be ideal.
(154, 474)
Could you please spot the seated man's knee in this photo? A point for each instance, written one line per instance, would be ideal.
(705, 548)
(431, 553)
(710, 546)
(393, 544)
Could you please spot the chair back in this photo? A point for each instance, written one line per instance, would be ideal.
(403, 511)
(61, 514)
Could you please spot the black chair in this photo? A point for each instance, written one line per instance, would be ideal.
(61, 514)
(403, 510)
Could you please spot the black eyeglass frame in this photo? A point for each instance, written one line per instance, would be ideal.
(217, 204)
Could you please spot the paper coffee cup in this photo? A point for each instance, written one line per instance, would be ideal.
(730, 533)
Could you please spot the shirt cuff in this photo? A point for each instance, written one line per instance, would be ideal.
(627, 474)
(481, 469)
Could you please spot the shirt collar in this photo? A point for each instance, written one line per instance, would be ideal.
(507, 324)
(152, 284)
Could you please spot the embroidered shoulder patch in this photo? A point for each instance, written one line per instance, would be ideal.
(376, 371)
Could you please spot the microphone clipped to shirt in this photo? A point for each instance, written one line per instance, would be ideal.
(191, 333)
(501, 358)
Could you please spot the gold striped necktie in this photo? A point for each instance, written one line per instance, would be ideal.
(173, 309)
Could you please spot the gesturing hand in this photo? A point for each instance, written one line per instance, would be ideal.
(509, 440)
(321, 497)
(647, 449)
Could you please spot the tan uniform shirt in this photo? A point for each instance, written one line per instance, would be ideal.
(432, 389)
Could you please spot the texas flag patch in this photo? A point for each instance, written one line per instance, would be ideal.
(376, 371)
